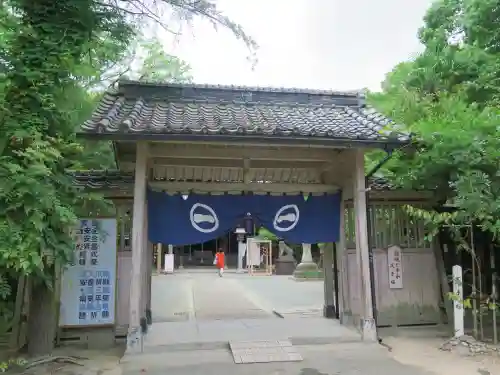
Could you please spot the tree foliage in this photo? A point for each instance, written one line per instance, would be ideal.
(55, 60)
(448, 97)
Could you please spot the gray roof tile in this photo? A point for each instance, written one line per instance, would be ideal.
(149, 109)
(115, 179)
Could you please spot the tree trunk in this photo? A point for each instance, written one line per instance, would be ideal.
(41, 320)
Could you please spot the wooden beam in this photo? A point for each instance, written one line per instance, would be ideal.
(406, 196)
(236, 163)
(400, 196)
(199, 151)
(214, 187)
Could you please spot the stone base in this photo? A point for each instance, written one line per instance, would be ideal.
(284, 267)
(329, 311)
(103, 338)
(135, 343)
(346, 318)
(307, 271)
(144, 325)
(368, 330)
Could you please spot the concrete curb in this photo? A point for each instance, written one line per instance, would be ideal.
(220, 345)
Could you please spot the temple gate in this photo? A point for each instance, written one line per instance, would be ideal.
(214, 141)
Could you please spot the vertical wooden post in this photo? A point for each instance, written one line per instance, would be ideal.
(122, 212)
(134, 337)
(444, 285)
(344, 300)
(368, 328)
(329, 302)
(149, 268)
(159, 255)
(336, 283)
(494, 293)
(145, 269)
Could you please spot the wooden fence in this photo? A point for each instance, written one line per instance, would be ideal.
(418, 301)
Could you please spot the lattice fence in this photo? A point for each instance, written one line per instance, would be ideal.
(391, 225)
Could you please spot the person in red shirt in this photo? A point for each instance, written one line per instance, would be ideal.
(219, 261)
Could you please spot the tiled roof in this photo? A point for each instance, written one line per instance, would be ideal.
(115, 179)
(138, 109)
(102, 179)
(380, 184)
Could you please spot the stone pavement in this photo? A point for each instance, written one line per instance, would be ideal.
(202, 310)
(331, 359)
(197, 316)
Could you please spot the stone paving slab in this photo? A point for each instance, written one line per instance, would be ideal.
(261, 351)
(299, 312)
(161, 334)
(345, 359)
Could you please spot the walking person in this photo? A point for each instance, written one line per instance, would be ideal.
(219, 261)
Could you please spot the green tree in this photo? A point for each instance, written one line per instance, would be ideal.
(45, 55)
(448, 96)
(160, 66)
(267, 234)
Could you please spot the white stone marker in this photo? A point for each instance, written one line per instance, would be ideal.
(458, 308)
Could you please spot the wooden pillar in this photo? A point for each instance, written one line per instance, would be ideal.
(122, 212)
(145, 268)
(368, 328)
(329, 301)
(149, 316)
(159, 255)
(344, 298)
(135, 335)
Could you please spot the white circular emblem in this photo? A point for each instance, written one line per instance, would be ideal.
(209, 217)
(292, 218)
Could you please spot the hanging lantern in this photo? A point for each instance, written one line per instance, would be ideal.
(248, 224)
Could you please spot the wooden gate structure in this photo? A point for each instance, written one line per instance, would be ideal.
(418, 299)
(184, 139)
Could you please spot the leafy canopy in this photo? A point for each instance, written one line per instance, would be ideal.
(448, 97)
(55, 59)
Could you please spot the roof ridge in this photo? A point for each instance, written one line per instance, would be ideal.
(361, 94)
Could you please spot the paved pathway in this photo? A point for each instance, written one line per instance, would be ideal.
(198, 308)
(196, 314)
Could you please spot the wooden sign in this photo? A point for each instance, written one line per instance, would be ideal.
(395, 264)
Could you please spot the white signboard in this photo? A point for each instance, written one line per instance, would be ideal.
(253, 252)
(88, 286)
(395, 263)
(169, 263)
